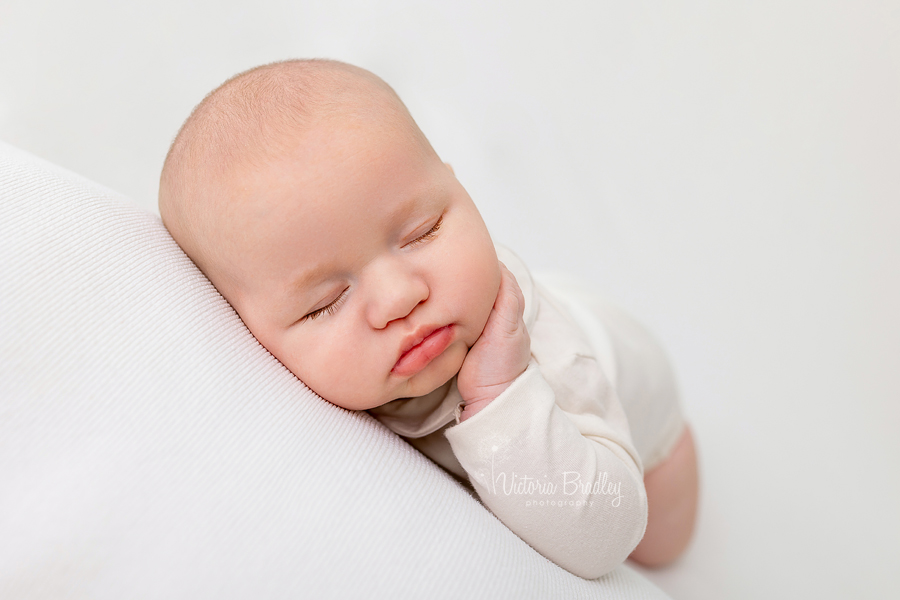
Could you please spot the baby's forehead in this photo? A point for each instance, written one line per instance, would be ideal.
(245, 124)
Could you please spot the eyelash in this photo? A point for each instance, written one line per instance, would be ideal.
(328, 310)
(431, 233)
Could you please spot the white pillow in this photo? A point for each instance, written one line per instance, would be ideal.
(151, 448)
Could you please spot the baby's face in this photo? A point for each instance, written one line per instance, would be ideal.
(365, 267)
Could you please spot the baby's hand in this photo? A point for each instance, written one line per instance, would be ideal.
(500, 354)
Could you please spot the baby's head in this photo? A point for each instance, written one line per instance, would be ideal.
(307, 194)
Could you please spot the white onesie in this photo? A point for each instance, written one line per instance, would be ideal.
(553, 456)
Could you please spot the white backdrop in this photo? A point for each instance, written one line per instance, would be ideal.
(729, 172)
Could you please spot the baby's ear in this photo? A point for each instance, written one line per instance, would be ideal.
(449, 166)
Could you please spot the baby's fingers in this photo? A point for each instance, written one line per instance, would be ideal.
(512, 285)
(509, 306)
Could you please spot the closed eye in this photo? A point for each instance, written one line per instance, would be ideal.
(429, 234)
(327, 310)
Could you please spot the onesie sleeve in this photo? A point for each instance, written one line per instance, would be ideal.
(560, 473)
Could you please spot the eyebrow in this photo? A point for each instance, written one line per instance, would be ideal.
(310, 277)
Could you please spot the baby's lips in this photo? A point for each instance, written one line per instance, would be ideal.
(419, 356)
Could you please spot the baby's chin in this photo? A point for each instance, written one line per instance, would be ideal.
(445, 368)
(369, 402)
(435, 376)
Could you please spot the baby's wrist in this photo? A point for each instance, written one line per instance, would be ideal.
(477, 403)
(470, 409)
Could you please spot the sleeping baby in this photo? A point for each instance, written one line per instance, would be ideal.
(309, 197)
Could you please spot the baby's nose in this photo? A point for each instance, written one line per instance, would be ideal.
(396, 290)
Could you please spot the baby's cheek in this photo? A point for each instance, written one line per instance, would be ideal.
(490, 288)
(300, 359)
(338, 378)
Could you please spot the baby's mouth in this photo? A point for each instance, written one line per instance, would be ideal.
(420, 355)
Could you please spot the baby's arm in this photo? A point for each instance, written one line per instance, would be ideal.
(566, 483)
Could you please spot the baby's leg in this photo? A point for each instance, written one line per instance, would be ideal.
(672, 490)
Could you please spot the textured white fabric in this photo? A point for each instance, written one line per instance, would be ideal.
(150, 448)
(634, 361)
